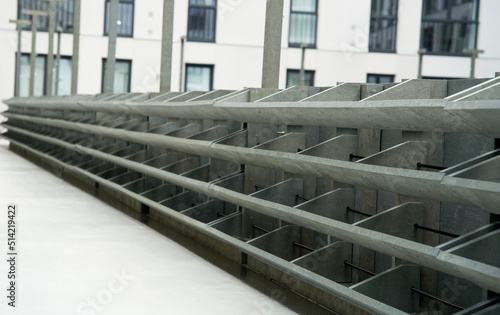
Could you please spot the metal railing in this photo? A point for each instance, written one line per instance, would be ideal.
(197, 158)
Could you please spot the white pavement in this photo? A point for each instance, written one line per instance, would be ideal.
(78, 255)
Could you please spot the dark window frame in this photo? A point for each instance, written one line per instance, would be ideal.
(315, 13)
(443, 78)
(106, 18)
(129, 83)
(204, 7)
(313, 72)
(211, 66)
(44, 69)
(379, 75)
(448, 20)
(39, 5)
(379, 19)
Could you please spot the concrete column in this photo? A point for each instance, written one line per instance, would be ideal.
(110, 62)
(302, 61)
(76, 46)
(58, 59)
(272, 44)
(34, 26)
(50, 55)
(19, 24)
(166, 46)
(181, 74)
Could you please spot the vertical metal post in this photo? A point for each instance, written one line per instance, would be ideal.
(302, 70)
(473, 55)
(181, 71)
(19, 24)
(272, 44)
(76, 46)
(50, 54)
(34, 26)
(110, 62)
(58, 58)
(166, 46)
(421, 53)
(18, 58)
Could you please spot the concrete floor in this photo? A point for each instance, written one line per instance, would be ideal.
(78, 255)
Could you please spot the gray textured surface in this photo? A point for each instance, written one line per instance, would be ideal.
(193, 158)
(393, 287)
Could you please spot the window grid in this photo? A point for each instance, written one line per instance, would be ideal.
(63, 17)
(196, 78)
(293, 77)
(121, 82)
(125, 18)
(379, 78)
(202, 17)
(448, 26)
(303, 17)
(383, 26)
(64, 84)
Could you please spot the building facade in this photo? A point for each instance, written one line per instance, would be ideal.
(356, 41)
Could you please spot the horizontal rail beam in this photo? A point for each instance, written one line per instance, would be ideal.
(407, 182)
(415, 115)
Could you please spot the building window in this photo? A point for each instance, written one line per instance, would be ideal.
(201, 20)
(125, 18)
(199, 77)
(379, 78)
(121, 83)
(303, 20)
(293, 77)
(64, 82)
(449, 26)
(383, 25)
(64, 78)
(24, 79)
(64, 14)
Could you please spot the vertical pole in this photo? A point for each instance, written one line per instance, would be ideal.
(19, 24)
(18, 58)
(166, 46)
(421, 53)
(473, 64)
(473, 55)
(181, 71)
(58, 59)
(272, 44)
(76, 46)
(110, 62)
(302, 70)
(50, 54)
(34, 26)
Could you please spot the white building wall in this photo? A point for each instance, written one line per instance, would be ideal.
(341, 54)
